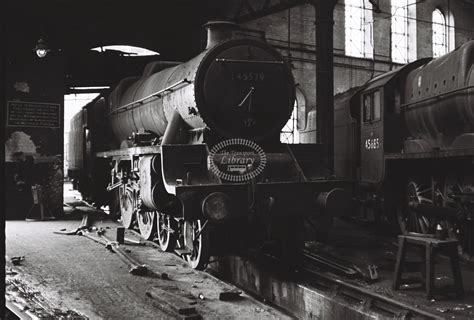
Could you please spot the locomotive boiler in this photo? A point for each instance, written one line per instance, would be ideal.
(439, 103)
(190, 153)
(217, 89)
(407, 138)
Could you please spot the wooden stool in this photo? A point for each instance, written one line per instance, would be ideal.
(432, 247)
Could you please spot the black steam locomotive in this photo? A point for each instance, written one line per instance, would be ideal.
(191, 152)
(407, 138)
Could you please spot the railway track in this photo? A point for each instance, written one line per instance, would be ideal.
(14, 311)
(308, 292)
(46, 292)
(365, 300)
(308, 278)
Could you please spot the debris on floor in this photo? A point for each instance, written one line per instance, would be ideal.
(230, 295)
(17, 260)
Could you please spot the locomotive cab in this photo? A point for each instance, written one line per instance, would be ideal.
(382, 126)
(372, 135)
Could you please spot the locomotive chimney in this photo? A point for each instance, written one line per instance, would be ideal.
(218, 31)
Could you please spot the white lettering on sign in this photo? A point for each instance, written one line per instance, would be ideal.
(372, 144)
(248, 76)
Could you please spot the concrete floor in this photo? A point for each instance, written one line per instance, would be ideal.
(76, 273)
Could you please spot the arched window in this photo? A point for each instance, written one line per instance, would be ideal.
(403, 30)
(400, 31)
(443, 33)
(358, 28)
(440, 36)
(290, 133)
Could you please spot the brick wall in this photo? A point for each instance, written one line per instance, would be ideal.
(349, 71)
(463, 14)
(302, 46)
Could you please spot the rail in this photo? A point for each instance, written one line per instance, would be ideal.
(155, 94)
(370, 301)
(19, 311)
(309, 283)
(313, 282)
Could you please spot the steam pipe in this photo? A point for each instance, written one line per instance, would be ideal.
(172, 130)
(155, 94)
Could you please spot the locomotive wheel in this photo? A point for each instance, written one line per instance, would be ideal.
(409, 220)
(196, 239)
(166, 227)
(147, 224)
(455, 184)
(126, 209)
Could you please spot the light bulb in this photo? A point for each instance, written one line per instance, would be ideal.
(41, 53)
(41, 48)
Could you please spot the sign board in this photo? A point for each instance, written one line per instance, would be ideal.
(33, 114)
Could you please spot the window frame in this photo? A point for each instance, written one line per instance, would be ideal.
(372, 110)
(439, 47)
(402, 36)
(364, 32)
(409, 34)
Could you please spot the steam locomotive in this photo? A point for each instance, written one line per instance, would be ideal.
(407, 138)
(191, 153)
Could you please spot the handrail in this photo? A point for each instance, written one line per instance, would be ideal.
(155, 94)
(249, 61)
(442, 95)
